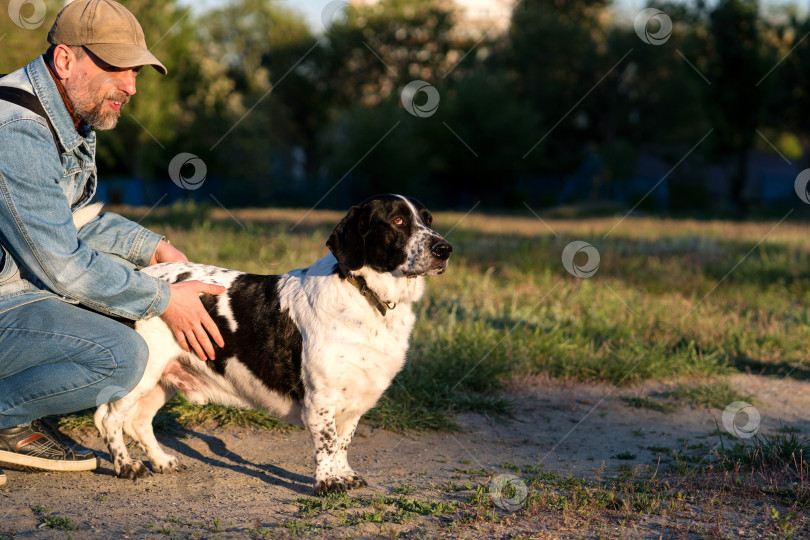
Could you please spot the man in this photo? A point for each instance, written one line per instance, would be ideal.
(56, 355)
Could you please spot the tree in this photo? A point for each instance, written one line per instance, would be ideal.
(558, 53)
(786, 88)
(735, 97)
(240, 125)
(24, 32)
(149, 123)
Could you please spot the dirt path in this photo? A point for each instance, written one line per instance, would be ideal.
(243, 483)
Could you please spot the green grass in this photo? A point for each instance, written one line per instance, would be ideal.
(179, 413)
(780, 452)
(716, 394)
(555, 498)
(664, 304)
(378, 509)
(647, 403)
(571, 503)
(713, 393)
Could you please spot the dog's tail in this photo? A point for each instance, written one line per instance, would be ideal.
(85, 215)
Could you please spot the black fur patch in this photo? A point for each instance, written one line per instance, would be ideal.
(266, 340)
(182, 277)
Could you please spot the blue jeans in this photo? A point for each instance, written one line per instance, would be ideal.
(57, 358)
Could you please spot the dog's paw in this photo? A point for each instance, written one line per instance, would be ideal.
(355, 481)
(170, 465)
(133, 470)
(330, 485)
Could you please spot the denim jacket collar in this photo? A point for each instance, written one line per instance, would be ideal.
(48, 94)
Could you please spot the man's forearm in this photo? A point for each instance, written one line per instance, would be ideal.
(115, 234)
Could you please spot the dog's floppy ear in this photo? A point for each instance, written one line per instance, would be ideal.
(347, 242)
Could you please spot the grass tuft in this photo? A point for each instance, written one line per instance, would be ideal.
(780, 453)
(647, 403)
(715, 394)
(51, 521)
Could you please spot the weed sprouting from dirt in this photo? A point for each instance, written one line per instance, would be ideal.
(51, 521)
(778, 463)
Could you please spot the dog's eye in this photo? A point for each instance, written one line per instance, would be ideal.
(399, 221)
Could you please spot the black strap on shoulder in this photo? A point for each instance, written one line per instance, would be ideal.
(32, 103)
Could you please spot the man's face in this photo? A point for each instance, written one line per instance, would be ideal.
(98, 91)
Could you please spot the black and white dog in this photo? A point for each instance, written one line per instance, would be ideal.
(317, 346)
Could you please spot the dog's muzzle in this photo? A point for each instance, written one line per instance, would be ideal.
(441, 254)
(442, 250)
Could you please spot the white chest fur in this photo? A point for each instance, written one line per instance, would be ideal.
(349, 347)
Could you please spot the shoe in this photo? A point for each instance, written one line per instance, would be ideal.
(2, 478)
(39, 446)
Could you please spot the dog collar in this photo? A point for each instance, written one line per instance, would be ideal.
(359, 283)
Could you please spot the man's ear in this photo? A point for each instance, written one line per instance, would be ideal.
(347, 242)
(64, 61)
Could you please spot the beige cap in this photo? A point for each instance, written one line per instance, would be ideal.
(105, 28)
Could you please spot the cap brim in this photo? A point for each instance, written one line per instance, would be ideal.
(125, 55)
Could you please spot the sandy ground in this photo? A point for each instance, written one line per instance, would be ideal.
(242, 481)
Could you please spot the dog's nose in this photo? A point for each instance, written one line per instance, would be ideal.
(442, 250)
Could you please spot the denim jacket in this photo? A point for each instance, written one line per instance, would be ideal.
(42, 255)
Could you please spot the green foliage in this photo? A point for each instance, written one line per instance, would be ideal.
(20, 45)
(405, 489)
(280, 112)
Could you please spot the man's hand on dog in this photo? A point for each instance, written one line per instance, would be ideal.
(166, 253)
(189, 321)
(186, 316)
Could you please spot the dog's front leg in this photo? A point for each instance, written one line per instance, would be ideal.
(345, 430)
(320, 421)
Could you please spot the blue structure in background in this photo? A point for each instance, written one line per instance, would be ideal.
(770, 182)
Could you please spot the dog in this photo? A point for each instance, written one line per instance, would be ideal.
(316, 346)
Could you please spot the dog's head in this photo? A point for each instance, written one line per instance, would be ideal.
(389, 233)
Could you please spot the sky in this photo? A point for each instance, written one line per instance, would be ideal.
(312, 9)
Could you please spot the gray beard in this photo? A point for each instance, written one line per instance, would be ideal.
(96, 117)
